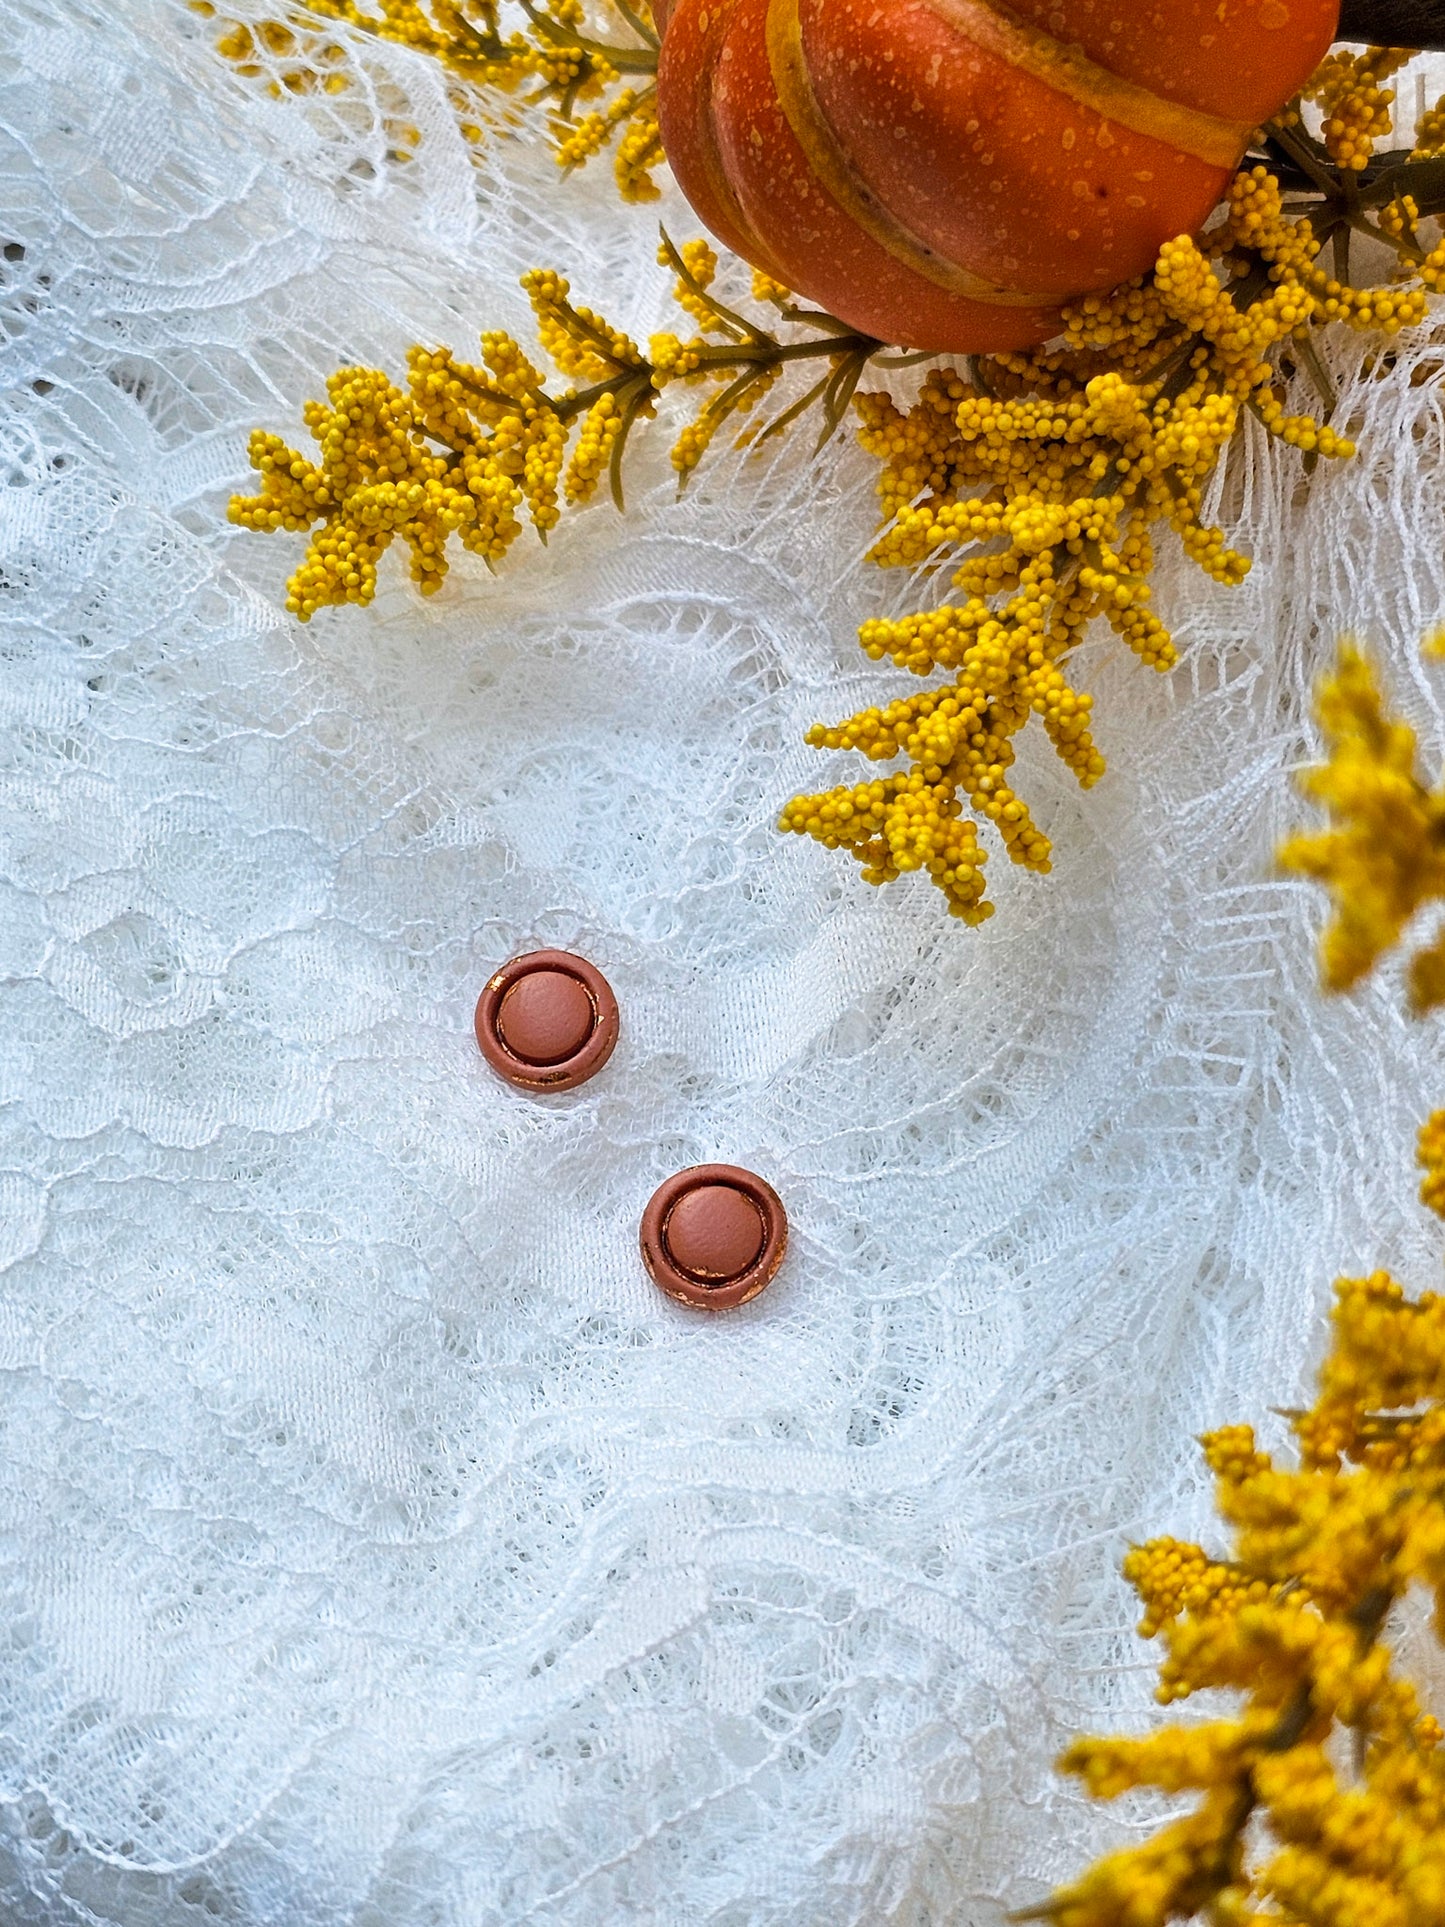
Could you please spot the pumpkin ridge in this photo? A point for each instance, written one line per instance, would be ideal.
(995, 29)
(831, 163)
(726, 217)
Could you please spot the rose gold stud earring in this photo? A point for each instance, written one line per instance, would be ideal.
(714, 1236)
(547, 1021)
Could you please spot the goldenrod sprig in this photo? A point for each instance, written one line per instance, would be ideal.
(1042, 478)
(1383, 857)
(542, 52)
(464, 448)
(1069, 470)
(1289, 1824)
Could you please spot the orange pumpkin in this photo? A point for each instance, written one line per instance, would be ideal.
(943, 173)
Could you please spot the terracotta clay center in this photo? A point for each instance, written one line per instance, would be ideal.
(714, 1236)
(546, 1017)
(547, 1021)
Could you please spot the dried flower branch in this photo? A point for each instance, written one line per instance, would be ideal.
(1044, 476)
(1041, 480)
(1321, 1801)
(551, 56)
(465, 447)
(1384, 856)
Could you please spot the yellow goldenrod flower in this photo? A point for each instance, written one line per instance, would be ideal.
(1384, 855)
(1356, 107)
(1043, 478)
(549, 43)
(1321, 1798)
(1042, 482)
(598, 435)
(1430, 132)
(465, 448)
(1431, 1158)
(1071, 475)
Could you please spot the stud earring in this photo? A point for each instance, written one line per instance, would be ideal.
(547, 1021)
(712, 1236)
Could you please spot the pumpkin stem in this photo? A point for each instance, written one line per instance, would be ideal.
(1394, 23)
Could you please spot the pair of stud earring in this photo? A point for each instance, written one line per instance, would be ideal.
(712, 1236)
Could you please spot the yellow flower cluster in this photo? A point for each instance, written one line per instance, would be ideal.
(459, 453)
(1431, 1158)
(1321, 1801)
(1052, 480)
(465, 449)
(1042, 481)
(1430, 132)
(1383, 857)
(1044, 477)
(629, 118)
(1356, 106)
(299, 61)
(548, 43)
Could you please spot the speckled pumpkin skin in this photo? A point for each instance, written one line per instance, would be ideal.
(943, 173)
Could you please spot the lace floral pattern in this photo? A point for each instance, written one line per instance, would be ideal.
(376, 1546)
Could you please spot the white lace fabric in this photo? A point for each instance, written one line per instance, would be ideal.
(377, 1545)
